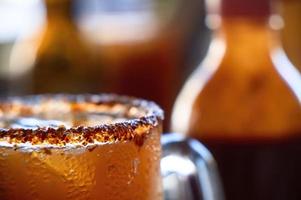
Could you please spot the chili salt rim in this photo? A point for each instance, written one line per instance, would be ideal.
(128, 130)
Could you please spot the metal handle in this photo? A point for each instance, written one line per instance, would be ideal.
(189, 170)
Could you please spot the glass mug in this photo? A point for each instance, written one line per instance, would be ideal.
(97, 147)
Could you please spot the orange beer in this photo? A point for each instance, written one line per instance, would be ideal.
(80, 147)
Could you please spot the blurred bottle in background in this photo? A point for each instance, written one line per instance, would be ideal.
(243, 103)
(15, 18)
(5, 49)
(291, 33)
(142, 48)
(145, 45)
(55, 59)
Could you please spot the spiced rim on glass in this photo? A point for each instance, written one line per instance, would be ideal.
(80, 147)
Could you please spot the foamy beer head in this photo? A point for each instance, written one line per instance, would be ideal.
(79, 147)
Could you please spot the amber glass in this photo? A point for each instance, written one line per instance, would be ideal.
(145, 69)
(80, 147)
(290, 10)
(243, 103)
(145, 51)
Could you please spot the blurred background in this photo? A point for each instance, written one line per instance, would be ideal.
(143, 48)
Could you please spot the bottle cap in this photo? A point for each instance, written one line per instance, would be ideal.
(253, 8)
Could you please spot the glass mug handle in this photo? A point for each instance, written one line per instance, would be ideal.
(188, 169)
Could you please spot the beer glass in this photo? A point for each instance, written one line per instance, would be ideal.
(84, 147)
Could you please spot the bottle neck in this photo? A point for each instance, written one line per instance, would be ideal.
(245, 25)
(58, 11)
(247, 34)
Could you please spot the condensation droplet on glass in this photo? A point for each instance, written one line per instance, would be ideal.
(135, 165)
(134, 170)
